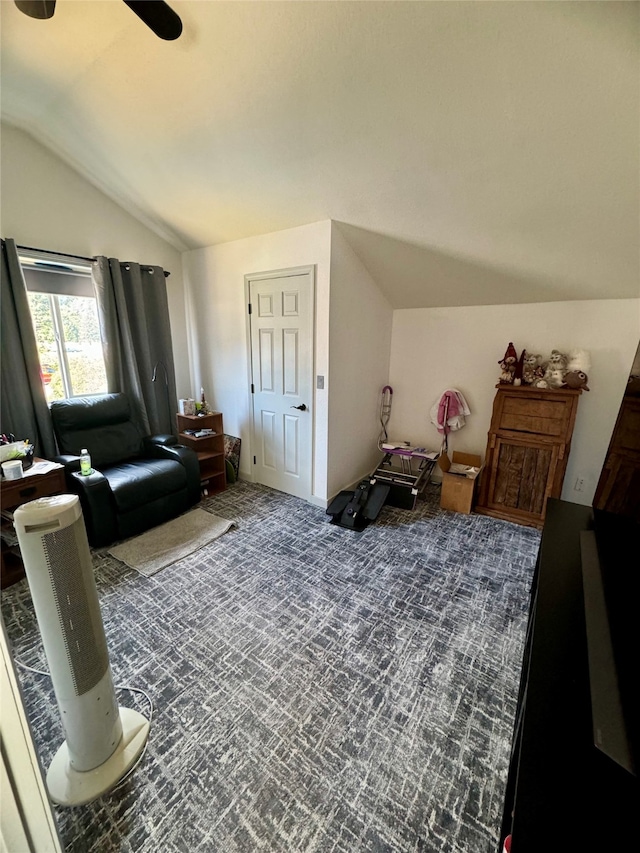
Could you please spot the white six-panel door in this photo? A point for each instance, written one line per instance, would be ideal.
(281, 323)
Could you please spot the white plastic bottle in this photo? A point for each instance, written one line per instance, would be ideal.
(85, 462)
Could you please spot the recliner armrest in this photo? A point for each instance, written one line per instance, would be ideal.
(187, 457)
(164, 440)
(96, 500)
(71, 463)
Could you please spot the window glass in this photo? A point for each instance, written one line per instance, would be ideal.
(67, 335)
(46, 341)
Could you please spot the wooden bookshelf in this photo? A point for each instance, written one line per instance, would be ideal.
(209, 448)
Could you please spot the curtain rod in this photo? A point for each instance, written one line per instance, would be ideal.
(75, 257)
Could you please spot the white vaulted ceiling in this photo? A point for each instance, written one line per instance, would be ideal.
(473, 152)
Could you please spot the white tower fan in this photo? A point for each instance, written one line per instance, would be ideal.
(103, 741)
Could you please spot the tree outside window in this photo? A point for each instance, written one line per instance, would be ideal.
(67, 333)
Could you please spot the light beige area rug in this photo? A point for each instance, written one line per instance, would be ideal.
(166, 544)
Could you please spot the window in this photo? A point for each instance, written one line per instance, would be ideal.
(65, 320)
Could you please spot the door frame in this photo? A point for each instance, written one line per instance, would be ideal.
(308, 269)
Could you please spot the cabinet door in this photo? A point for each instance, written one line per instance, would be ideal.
(521, 476)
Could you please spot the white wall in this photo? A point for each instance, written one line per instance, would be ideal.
(26, 820)
(218, 329)
(360, 323)
(48, 205)
(439, 348)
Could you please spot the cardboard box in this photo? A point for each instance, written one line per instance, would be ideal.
(460, 482)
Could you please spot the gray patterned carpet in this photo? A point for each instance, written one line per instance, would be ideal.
(316, 690)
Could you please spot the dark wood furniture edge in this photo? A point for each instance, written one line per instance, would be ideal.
(562, 793)
(11, 566)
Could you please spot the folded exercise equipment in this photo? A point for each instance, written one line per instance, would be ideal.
(400, 477)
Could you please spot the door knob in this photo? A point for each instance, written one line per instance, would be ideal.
(302, 407)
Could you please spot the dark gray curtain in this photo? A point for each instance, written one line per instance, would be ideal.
(136, 337)
(24, 410)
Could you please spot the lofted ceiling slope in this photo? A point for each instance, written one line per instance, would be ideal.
(471, 152)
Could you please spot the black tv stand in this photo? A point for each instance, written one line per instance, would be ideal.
(562, 792)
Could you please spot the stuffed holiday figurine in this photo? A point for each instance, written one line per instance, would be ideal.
(519, 371)
(579, 359)
(576, 379)
(555, 369)
(508, 365)
(531, 369)
(556, 361)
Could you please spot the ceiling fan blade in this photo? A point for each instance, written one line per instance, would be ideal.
(158, 16)
(37, 8)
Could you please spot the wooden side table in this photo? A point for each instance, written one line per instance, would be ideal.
(41, 480)
(209, 448)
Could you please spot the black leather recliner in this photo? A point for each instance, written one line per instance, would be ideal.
(137, 482)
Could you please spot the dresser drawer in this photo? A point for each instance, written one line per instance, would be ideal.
(29, 488)
(541, 417)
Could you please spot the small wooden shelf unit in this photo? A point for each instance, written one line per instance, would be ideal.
(210, 448)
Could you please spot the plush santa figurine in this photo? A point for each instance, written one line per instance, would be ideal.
(508, 365)
(519, 371)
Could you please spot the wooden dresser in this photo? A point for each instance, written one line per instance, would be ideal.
(527, 452)
(42, 480)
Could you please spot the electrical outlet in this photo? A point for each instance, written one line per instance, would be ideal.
(579, 485)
